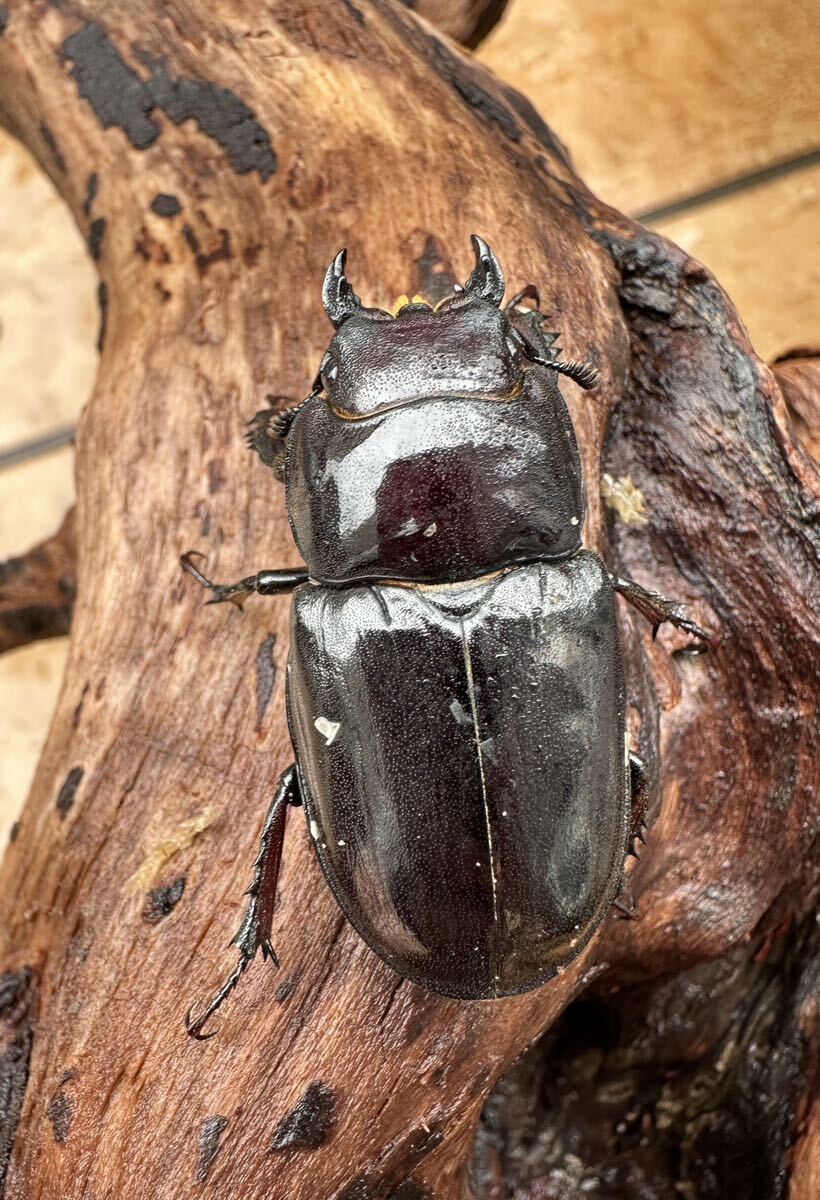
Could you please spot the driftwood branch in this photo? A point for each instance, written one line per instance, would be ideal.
(467, 21)
(798, 374)
(37, 590)
(216, 158)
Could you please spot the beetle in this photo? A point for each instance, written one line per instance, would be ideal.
(455, 684)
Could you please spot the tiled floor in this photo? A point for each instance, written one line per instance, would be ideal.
(657, 103)
(48, 358)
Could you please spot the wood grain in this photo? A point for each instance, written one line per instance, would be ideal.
(798, 374)
(333, 128)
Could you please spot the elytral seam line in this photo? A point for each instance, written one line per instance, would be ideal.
(468, 665)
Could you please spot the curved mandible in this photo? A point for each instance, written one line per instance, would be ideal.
(338, 297)
(487, 279)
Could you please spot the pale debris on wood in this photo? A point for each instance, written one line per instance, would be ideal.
(179, 839)
(624, 498)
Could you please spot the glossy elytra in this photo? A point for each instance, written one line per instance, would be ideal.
(455, 688)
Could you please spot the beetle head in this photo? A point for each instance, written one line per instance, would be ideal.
(464, 346)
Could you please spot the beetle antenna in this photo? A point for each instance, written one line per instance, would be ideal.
(584, 374)
(530, 292)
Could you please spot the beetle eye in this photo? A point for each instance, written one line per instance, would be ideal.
(328, 371)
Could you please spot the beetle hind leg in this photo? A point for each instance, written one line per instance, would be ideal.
(657, 609)
(639, 790)
(624, 906)
(254, 932)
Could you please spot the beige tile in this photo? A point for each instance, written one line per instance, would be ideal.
(29, 684)
(48, 305)
(658, 101)
(34, 497)
(764, 247)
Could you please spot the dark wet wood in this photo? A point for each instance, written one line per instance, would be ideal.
(271, 143)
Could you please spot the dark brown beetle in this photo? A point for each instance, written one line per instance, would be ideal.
(455, 686)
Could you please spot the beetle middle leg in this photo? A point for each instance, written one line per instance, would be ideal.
(266, 583)
(254, 932)
(657, 609)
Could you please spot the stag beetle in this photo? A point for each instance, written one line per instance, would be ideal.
(455, 687)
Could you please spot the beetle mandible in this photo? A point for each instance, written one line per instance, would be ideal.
(455, 687)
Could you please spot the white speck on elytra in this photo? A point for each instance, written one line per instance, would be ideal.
(328, 729)
(573, 521)
(430, 530)
(478, 864)
(341, 843)
(504, 814)
(314, 831)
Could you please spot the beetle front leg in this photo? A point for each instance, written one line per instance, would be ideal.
(254, 932)
(269, 428)
(266, 583)
(657, 609)
(541, 344)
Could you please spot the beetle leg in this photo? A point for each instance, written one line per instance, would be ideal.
(268, 429)
(530, 292)
(254, 932)
(639, 788)
(540, 343)
(624, 906)
(657, 609)
(266, 583)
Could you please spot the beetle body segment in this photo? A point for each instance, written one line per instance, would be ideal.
(436, 490)
(470, 811)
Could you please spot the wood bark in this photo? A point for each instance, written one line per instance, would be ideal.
(216, 156)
